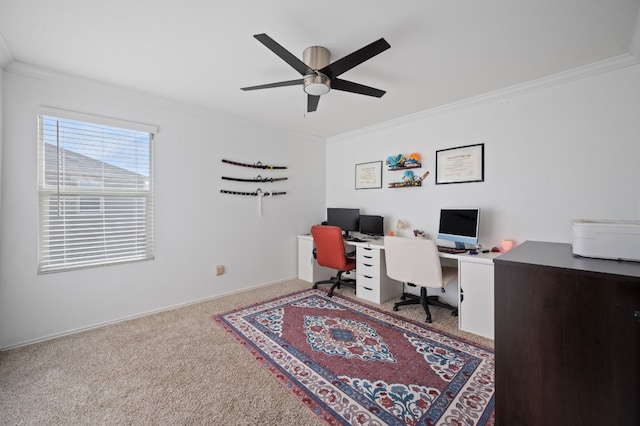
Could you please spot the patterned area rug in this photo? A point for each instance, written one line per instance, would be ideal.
(353, 364)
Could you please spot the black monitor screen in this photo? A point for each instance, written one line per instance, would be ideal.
(371, 225)
(347, 219)
(459, 225)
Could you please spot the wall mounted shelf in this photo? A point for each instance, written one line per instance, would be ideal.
(405, 184)
(405, 166)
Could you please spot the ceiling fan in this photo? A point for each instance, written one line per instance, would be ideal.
(318, 75)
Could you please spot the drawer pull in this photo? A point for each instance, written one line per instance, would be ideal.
(367, 276)
(368, 257)
(367, 288)
(366, 264)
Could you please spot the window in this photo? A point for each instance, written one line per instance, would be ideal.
(96, 191)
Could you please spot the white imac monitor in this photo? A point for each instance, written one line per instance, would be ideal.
(460, 226)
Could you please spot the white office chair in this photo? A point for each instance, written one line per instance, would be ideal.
(415, 261)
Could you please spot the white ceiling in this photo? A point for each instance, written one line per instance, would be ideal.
(201, 52)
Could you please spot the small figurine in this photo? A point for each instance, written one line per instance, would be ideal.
(408, 176)
(414, 158)
(419, 233)
(396, 161)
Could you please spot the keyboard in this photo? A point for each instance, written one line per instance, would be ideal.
(355, 240)
(451, 250)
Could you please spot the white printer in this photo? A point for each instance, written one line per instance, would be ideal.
(607, 239)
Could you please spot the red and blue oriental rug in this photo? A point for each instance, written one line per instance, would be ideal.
(356, 365)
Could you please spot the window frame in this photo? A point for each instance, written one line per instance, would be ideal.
(98, 196)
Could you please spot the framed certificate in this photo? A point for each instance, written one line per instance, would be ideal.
(460, 165)
(369, 175)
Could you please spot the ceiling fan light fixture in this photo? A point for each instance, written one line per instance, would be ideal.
(317, 85)
(319, 75)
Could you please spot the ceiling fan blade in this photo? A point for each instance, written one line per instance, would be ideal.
(312, 103)
(279, 84)
(284, 54)
(356, 58)
(361, 89)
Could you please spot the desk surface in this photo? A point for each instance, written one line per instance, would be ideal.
(486, 258)
(463, 257)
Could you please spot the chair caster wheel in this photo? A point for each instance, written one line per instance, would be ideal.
(428, 320)
(330, 295)
(395, 308)
(454, 313)
(315, 286)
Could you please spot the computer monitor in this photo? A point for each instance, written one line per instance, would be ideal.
(371, 225)
(347, 219)
(460, 226)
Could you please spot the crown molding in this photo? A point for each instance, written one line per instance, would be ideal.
(40, 73)
(5, 54)
(607, 65)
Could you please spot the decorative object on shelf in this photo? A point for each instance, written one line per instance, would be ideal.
(413, 160)
(258, 193)
(400, 162)
(409, 179)
(369, 175)
(419, 233)
(255, 179)
(257, 165)
(460, 165)
(401, 225)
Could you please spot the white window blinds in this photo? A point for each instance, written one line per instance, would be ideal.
(96, 193)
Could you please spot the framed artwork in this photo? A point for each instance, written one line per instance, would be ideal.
(460, 165)
(369, 175)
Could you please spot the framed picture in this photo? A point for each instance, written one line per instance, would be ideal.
(460, 165)
(369, 175)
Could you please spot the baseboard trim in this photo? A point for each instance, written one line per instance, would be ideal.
(140, 315)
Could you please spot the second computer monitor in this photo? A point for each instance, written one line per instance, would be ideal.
(347, 219)
(459, 225)
(371, 225)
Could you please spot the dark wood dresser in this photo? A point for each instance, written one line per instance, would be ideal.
(567, 338)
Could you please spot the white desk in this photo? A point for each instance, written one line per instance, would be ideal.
(475, 280)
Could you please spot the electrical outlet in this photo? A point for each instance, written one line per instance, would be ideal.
(219, 269)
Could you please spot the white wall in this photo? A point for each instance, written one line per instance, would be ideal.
(551, 155)
(197, 227)
(1, 138)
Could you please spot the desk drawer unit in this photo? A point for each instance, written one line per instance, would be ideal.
(368, 262)
(308, 268)
(372, 283)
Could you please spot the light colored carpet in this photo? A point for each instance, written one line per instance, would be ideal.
(175, 367)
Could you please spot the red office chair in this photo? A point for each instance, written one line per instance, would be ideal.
(330, 252)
